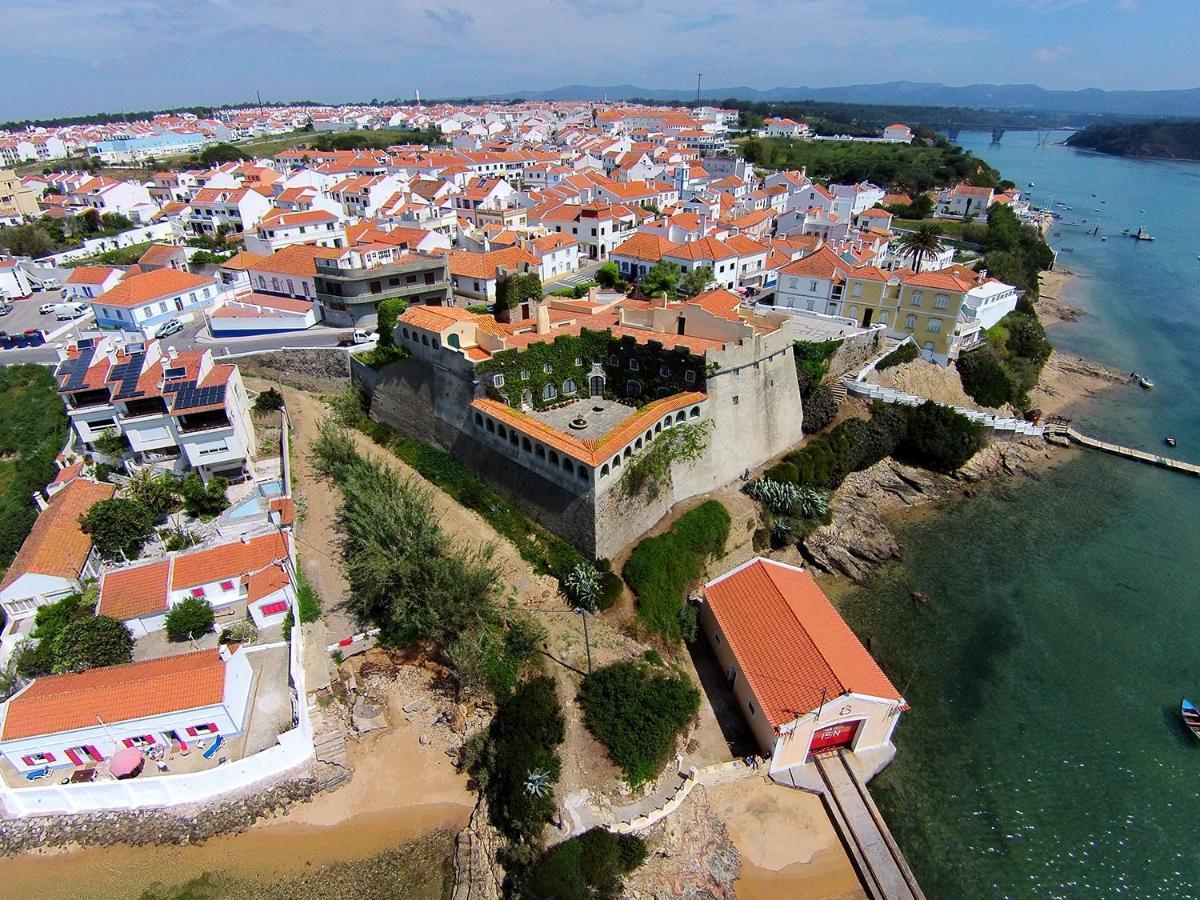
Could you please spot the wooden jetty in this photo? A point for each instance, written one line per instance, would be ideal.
(1063, 430)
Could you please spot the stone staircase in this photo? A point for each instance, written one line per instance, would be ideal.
(334, 763)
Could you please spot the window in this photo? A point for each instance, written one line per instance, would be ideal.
(614, 361)
(633, 388)
(547, 368)
(569, 386)
(735, 399)
(227, 585)
(915, 299)
(664, 371)
(273, 609)
(549, 392)
(524, 374)
(812, 285)
(934, 326)
(883, 317)
(941, 301)
(910, 323)
(634, 365)
(198, 592)
(689, 376)
(858, 289)
(579, 360)
(750, 704)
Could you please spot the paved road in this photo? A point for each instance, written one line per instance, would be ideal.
(585, 273)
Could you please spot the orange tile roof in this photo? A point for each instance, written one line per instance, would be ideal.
(721, 303)
(56, 545)
(705, 248)
(226, 560)
(113, 694)
(159, 255)
(643, 245)
(591, 452)
(136, 591)
(140, 289)
(794, 648)
(484, 265)
(90, 274)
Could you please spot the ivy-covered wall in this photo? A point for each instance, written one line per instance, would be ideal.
(659, 371)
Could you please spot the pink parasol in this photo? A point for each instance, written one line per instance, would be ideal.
(126, 763)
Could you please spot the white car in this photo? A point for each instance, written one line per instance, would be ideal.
(168, 328)
(46, 308)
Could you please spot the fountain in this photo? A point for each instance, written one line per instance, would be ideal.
(579, 423)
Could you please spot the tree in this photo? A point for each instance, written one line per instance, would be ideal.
(118, 527)
(608, 274)
(940, 438)
(26, 240)
(189, 619)
(114, 221)
(984, 377)
(157, 494)
(925, 240)
(90, 219)
(388, 312)
(92, 643)
(269, 400)
(662, 278)
(203, 501)
(221, 153)
(110, 443)
(583, 586)
(696, 281)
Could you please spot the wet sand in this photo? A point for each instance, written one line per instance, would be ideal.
(400, 790)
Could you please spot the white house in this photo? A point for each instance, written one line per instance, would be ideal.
(248, 575)
(129, 198)
(14, 280)
(989, 301)
(557, 253)
(231, 209)
(54, 560)
(279, 229)
(86, 717)
(143, 302)
(475, 274)
(86, 283)
(717, 255)
(898, 133)
(965, 200)
(804, 682)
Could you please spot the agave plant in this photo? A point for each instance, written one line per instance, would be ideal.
(777, 496)
(811, 503)
(537, 783)
(583, 585)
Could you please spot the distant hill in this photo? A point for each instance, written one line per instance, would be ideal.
(1026, 97)
(1165, 140)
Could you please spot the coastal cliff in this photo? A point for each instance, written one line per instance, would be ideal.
(1158, 140)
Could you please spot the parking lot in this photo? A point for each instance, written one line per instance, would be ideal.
(25, 315)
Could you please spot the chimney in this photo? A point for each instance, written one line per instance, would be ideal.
(661, 301)
(543, 318)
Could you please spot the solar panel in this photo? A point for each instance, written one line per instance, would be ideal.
(176, 372)
(74, 370)
(85, 343)
(192, 397)
(126, 377)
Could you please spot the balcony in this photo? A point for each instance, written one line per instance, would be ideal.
(205, 421)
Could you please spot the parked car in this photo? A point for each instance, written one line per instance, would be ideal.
(35, 336)
(66, 311)
(168, 328)
(357, 336)
(5, 307)
(49, 283)
(6, 340)
(46, 308)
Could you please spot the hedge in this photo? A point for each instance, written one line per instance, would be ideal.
(662, 568)
(638, 711)
(587, 866)
(906, 352)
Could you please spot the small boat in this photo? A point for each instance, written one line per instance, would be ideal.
(1170, 442)
(1145, 382)
(1191, 718)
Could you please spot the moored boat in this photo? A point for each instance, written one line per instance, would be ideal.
(1191, 717)
(1170, 442)
(1146, 383)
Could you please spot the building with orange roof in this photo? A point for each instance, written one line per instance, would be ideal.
(86, 283)
(54, 560)
(85, 718)
(141, 303)
(351, 284)
(475, 274)
(252, 574)
(553, 407)
(163, 256)
(281, 228)
(231, 210)
(178, 411)
(804, 682)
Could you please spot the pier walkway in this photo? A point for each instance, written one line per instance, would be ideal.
(1064, 430)
(881, 866)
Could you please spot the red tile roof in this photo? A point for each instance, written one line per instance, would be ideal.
(140, 289)
(794, 648)
(56, 545)
(114, 694)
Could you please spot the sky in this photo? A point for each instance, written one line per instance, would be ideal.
(71, 57)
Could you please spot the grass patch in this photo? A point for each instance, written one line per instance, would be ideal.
(122, 256)
(662, 568)
(906, 352)
(638, 711)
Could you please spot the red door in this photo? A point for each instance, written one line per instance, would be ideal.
(833, 737)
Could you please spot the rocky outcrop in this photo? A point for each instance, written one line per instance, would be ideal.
(315, 370)
(477, 874)
(689, 855)
(153, 826)
(858, 540)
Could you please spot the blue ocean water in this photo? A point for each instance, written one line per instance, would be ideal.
(1043, 755)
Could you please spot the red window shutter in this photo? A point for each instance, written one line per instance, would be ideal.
(27, 760)
(270, 609)
(148, 738)
(198, 592)
(74, 757)
(94, 753)
(191, 731)
(128, 742)
(49, 757)
(212, 726)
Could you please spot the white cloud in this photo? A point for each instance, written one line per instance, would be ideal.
(1049, 55)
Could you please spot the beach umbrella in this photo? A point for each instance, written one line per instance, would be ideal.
(126, 763)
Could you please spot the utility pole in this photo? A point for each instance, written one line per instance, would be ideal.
(586, 640)
(698, 77)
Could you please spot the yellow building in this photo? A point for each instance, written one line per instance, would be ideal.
(922, 306)
(16, 200)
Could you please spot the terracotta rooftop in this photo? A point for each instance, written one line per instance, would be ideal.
(140, 289)
(56, 545)
(57, 703)
(794, 648)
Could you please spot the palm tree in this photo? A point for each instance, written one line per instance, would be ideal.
(916, 244)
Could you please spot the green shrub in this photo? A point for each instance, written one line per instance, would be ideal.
(784, 471)
(820, 409)
(940, 438)
(269, 400)
(985, 378)
(118, 526)
(812, 362)
(906, 352)
(608, 274)
(637, 712)
(522, 740)
(48, 623)
(91, 643)
(388, 312)
(203, 501)
(662, 568)
(479, 309)
(110, 443)
(584, 867)
(189, 619)
(611, 588)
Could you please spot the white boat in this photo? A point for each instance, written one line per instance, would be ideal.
(1146, 383)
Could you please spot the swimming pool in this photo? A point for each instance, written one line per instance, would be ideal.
(254, 505)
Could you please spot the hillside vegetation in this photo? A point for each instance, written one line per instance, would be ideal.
(1167, 140)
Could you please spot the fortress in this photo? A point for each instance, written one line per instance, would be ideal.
(552, 408)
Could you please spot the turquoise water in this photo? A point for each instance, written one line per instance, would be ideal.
(1043, 756)
(253, 504)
